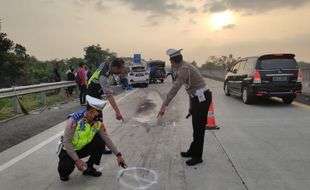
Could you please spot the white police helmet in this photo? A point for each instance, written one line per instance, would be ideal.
(173, 52)
(95, 102)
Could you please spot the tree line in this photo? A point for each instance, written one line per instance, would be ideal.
(17, 68)
(227, 62)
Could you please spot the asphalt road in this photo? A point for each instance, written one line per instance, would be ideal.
(22, 127)
(261, 146)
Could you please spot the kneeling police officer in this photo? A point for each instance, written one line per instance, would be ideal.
(83, 136)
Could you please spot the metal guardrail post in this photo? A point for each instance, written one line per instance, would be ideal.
(14, 92)
(77, 89)
(16, 107)
(62, 92)
(43, 98)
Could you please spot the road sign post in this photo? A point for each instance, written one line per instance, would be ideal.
(137, 58)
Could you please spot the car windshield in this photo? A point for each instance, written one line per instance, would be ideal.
(138, 69)
(157, 64)
(266, 64)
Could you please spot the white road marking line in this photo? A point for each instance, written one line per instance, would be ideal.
(37, 147)
(28, 152)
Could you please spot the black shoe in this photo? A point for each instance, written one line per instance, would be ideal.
(64, 178)
(106, 152)
(92, 172)
(193, 161)
(186, 154)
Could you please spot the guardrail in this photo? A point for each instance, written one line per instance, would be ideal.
(14, 92)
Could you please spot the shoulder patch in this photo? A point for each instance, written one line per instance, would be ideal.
(76, 116)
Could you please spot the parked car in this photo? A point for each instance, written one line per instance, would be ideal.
(272, 75)
(138, 75)
(157, 71)
(173, 75)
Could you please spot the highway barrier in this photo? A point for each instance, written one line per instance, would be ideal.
(14, 92)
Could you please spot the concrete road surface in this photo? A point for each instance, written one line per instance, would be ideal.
(262, 146)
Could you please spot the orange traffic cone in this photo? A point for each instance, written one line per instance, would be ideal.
(211, 119)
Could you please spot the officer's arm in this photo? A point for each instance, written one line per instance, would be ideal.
(182, 77)
(107, 90)
(105, 137)
(68, 136)
(105, 86)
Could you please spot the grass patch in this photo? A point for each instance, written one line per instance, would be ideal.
(32, 102)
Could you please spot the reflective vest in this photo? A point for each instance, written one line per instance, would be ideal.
(84, 132)
(93, 86)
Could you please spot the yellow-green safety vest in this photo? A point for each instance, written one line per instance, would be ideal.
(95, 76)
(84, 134)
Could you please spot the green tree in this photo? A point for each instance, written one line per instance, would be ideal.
(36, 71)
(223, 62)
(94, 55)
(194, 63)
(5, 44)
(12, 67)
(74, 62)
(20, 51)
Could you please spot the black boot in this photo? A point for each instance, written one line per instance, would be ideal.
(186, 154)
(193, 161)
(64, 178)
(92, 172)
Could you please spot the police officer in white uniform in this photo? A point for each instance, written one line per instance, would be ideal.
(83, 136)
(199, 102)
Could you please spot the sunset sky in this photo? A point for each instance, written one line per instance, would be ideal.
(51, 29)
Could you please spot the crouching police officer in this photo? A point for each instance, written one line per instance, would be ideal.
(83, 136)
(199, 102)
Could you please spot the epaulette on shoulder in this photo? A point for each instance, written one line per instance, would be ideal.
(77, 115)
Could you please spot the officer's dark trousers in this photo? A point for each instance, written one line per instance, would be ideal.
(199, 117)
(83, 90)
(66, 164)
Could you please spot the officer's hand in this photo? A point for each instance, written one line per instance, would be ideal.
(119, 116)
(80, 164)
(161, 111)
(121, 162)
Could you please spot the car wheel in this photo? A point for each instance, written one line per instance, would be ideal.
(245, 96)
(226, 91)
(287, 100)
(146, 84)
(162, 80)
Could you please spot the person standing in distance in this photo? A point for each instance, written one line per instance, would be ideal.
(199, 102)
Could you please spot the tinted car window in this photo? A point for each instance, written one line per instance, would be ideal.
(236, 66)
(241, 67)
(267, 64)
(138, 69)
(250, 64)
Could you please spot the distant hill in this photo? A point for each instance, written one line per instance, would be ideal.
(304, 65)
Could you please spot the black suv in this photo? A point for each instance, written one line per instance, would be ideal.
(272, 75)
